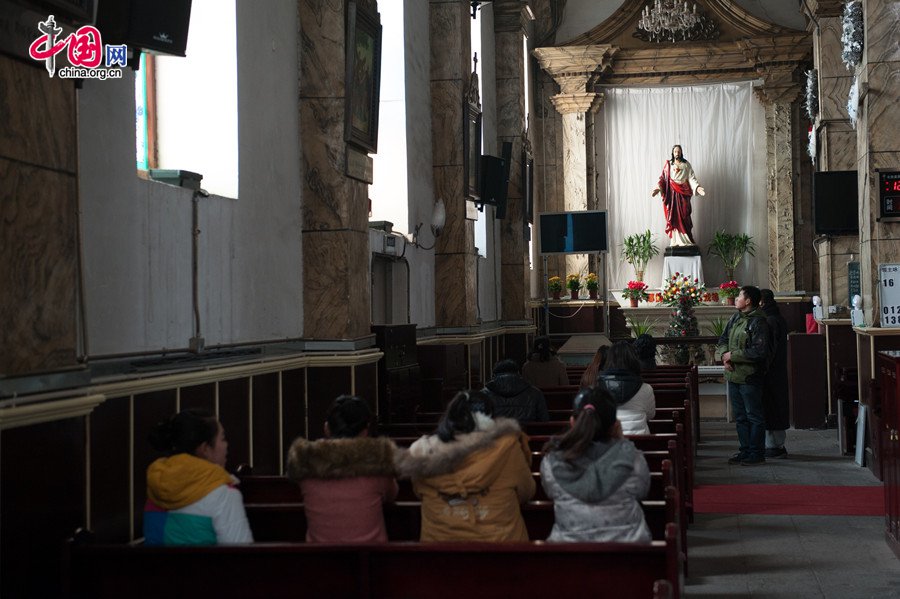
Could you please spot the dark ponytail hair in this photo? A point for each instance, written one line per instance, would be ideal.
(542, 348)
(459, 416)
(184, 432)
(595, 414)
(348, 416)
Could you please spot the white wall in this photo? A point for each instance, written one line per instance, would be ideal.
(136, 234)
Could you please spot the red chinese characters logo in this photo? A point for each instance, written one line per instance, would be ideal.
(85, 48)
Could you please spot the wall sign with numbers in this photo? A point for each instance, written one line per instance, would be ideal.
(889, 288)
(889, 195)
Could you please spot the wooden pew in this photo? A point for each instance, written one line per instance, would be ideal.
(274, 507)
(383, 571)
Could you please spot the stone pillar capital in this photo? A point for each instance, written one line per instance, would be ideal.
(576, 68)
(512, 16)
(580, 103)
(781, 84)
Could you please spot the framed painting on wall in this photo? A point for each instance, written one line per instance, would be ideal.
(363, 77)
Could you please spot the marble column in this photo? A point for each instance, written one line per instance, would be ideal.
(336, 290)
(454, 254)
(777, 94)
(878, 146)
(510, 21)
(39, 213)
(836, 141)
(576, 69)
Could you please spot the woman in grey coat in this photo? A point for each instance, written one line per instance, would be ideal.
(595, 477)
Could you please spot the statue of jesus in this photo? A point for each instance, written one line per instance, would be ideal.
(676, 183)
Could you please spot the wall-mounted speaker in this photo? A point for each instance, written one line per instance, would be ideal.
(155, 26)
(495, 180)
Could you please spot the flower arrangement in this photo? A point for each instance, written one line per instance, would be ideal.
(680, 290)
(591, 282)
(636, 290)
(729, 289)
(573, 282)
(554, 284)
(852, 34)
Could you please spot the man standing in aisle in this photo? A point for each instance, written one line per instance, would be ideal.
(775, 388)
(744, 349)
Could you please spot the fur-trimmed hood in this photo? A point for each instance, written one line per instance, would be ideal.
(429, 456)
(341, 458)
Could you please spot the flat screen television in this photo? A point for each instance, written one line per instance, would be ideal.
(573, 232)
(835, 205)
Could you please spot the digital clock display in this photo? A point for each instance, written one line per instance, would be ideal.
(889, 195)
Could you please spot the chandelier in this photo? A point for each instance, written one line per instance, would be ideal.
(667, 19)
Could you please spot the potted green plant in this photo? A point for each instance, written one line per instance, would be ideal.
(636, 291)
(592, 284)
(554, 286)
(731, 247)
(640, 327)
(637, 250)
(573, 284)
(717, 326)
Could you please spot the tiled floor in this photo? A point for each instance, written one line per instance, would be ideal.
(791, 557)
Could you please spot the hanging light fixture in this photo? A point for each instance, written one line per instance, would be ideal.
(668, 19)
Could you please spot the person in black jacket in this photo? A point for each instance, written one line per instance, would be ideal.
(634, 399)
(513, 396)
(775, 385)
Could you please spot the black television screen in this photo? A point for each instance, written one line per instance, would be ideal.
(835, 205)
(573, 232)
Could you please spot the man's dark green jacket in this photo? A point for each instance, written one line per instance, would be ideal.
(746, 336)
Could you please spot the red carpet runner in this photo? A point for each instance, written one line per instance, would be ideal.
(813, 500)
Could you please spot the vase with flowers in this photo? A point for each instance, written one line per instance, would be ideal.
(729, 290)
(573, 284)
(592, 284)
(636, 291)
(554, 286)
(682, 293)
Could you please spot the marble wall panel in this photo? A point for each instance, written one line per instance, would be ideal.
(865, 207)
(322, 63)
(883, 104)
(509, 55)
(806, 265)
(834, 254)
(780, 197)
(838, 147)
(450, 37)
(39, 268)
(454, 290)
(882, 17)
(336, 284)
(447, 122)
(828, 48)
(512, 299)
(37, 116)
(510, 108)
(833, 92)
(574, 161)
(458, 235)
(323, 156)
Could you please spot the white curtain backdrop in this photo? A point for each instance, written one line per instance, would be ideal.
(721, 129)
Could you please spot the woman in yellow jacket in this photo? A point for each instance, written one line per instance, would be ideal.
(471, 475)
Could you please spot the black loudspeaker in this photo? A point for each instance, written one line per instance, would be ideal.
(155, 26)
(495, 180)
